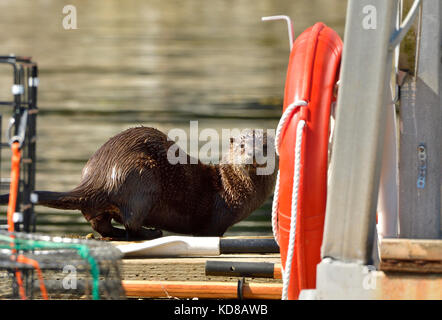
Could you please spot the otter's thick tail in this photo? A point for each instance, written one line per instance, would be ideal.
(57, 200)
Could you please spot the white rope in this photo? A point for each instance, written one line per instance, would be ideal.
(275, 211)
(285, 116)
(294, 210)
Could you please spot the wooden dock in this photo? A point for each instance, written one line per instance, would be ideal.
(412, 263)
(411, 255)
(189, 268)
(185, 277)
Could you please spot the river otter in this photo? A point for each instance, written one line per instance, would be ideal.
(130, 180)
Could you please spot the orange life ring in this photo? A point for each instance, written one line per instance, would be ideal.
(311, 76)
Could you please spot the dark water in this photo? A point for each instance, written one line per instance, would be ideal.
(155, 63)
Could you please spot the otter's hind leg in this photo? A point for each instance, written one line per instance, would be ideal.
(133, 221)
(102, 224)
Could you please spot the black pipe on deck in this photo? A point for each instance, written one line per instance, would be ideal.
(248, 246)
(240, 269)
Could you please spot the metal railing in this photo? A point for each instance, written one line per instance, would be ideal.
(22, 127)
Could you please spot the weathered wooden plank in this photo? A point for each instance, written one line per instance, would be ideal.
(220, 290)
(400, 286)
(188, 269)
(411, 249)
(411, 266)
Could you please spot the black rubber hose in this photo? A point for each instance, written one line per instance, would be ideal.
(248, 246)
(240, 269)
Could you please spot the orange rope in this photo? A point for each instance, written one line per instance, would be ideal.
(20, 284)
(13, 190)
(23, 259)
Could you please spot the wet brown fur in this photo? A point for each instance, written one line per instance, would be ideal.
(129, 179)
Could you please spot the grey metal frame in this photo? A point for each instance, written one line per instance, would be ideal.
(421, 128)
(360, 125)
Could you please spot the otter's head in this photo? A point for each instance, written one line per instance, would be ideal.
(248, 173)
(253, 149)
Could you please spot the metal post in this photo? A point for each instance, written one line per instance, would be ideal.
(29, 165)
(359, 132)
(420, 142)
